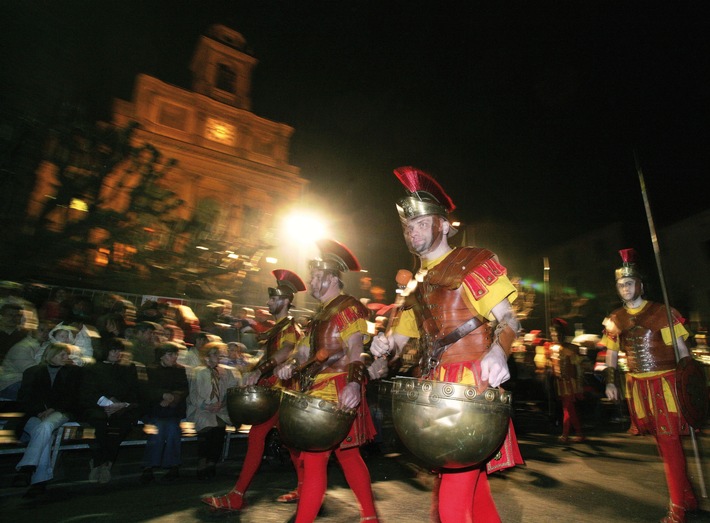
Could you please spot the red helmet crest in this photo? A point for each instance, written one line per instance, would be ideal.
(287, 283)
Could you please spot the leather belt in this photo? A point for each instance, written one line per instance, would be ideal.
(440, 345)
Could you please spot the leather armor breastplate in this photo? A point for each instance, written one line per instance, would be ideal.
(327, 325)
(440, 307)
(642, 341)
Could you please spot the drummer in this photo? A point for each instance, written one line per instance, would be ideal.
(330, 366)
(462, 308)
(278, 342)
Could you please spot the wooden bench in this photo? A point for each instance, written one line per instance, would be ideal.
(74, 435)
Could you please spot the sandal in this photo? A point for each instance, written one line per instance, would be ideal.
(290, 497)
(233, 501)
(676, 514)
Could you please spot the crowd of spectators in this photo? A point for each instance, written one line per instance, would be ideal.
(112, 366)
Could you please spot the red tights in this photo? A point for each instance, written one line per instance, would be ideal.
(465, 497)
(681, 492)
(256, 442)
(315, 482)
(569, 416)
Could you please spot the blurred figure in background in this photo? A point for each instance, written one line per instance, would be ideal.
(11, 330)
(21, 356)
(206, 406)
(145, 337)
(166, 398)
(52, 309)
(567, 372)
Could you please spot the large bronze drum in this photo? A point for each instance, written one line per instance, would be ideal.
(312, 424)
(252, 405)
(449, 425)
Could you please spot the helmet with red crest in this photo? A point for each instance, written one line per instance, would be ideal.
(425, 196)
(287, 284)
(334, 257)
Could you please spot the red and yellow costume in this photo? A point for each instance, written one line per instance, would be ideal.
(465, 283)
(567, 372)
(327, 336)
(281, 336)
(644, 335)
(284, 332)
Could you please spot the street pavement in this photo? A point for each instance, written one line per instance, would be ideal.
(611, 477)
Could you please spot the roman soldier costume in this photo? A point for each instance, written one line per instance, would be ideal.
(284, 333)
(450, 310)
(567, 373)
(644, 334)
(330, 367)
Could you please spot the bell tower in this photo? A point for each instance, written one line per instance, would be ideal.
(222, 67)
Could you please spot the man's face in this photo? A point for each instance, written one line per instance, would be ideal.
(629, 289)
(11, 317)
(321, 282)
(423, 233)
(276, 304)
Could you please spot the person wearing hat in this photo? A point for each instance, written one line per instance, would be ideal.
(278, 342)
(567, 374)
(331, 367)
(461, 307)
(207, 408)
(640, 328)
(167, 391)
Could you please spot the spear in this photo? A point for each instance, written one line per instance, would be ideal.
(664, 290)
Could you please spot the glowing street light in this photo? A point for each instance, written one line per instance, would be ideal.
(304, 227)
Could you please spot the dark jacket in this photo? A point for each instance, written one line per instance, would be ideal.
(37, 392)
(116, 381)
(167, 379)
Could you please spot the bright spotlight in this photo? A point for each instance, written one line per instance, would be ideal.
(304, 227)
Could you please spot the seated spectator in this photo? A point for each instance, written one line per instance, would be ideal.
(23, 355)
(150, 311)
(67, 334)
(49, 397)
(87, 337)
(167, 397)
(206, 407)
(110, 396)
(52, 309)
(14, 291)
(145, 337)
(190, 358)
(236, 357)
(11, 330)
(113, 325)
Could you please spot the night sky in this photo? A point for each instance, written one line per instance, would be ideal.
(528, 113)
